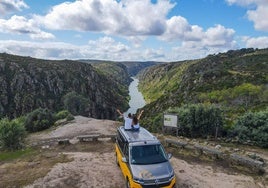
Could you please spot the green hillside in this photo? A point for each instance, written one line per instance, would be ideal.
(115, 71)
(236, 81)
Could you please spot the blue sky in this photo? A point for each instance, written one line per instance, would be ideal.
(135, 30)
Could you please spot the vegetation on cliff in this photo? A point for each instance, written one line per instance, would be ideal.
(38, 120)
(12, 134)
(252, 126)
(235, 82)
(28, 83)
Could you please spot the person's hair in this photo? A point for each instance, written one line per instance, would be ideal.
(129, 115)
(135, 120)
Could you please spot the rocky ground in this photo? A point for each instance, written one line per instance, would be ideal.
(95, 166)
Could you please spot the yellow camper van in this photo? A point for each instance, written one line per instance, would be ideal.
(143, 160)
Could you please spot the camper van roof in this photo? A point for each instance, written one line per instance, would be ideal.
(137, 136)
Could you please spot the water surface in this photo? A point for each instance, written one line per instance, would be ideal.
(136, 98)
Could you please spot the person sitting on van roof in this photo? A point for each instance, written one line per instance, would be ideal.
(135, 121)
(127, 119)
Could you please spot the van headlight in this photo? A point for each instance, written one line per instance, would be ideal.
(138, 180)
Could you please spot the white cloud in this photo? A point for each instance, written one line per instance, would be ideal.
(196, 43)
(107, 45)
(245, 2)
(154, 54)
(47, 50)
(177, 27)
(104, 48)
(136, 40)
(188, 51)
(20, 25)
(258, 42)
(9, 6)
(259, 17)
(258, 14)
(219, 36)
(126, 17)
(193, 36)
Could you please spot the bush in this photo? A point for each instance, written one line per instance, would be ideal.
(200, 120)
(76, 104)
(38, 120)
(70, 117)
(252, 127)
(62, 114)
(12, 133)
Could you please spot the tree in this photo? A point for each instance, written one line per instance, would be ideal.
(76, 104)
(38, 120)
(198, 120)
(248, 92)
(12, 133)
(252, 126)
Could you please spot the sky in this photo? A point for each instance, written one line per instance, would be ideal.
(131, 30)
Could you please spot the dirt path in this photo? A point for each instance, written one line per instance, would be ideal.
(98, 168)
(86, 170)
(203, 176)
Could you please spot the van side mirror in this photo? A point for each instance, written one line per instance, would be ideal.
(169, 155)
(124, 160)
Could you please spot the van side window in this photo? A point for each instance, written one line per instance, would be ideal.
(125, 151)
(123, 145)
(120, 141)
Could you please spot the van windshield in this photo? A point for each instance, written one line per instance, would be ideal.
(147, 154)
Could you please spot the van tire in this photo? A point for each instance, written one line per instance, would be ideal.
(127, 183)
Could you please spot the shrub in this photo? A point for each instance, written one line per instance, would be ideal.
(154, 125)
(76, 104)
(39, 119)
(200, 120)
(62, 114)
(252, 126)
(12, 133)
(70, 117)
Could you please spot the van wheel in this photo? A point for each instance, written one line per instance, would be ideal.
(116, 160)
(127, 183)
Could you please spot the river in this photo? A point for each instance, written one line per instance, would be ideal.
(136, 98)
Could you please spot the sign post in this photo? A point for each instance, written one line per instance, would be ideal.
(171, 120)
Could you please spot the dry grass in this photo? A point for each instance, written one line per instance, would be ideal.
(99, 146)
(24, 170)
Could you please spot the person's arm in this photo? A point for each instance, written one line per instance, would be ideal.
(119, 112)
(139, 116)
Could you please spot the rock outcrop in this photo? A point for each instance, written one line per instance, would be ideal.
(27, 83)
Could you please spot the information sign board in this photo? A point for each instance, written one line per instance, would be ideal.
(170, 120)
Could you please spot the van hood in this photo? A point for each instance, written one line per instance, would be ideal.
(152, 171)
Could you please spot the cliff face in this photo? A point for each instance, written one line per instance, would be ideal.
(27, 83)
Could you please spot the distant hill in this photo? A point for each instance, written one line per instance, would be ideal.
(118, 72)
(237, 81)
(27, 83)
(132, 67)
